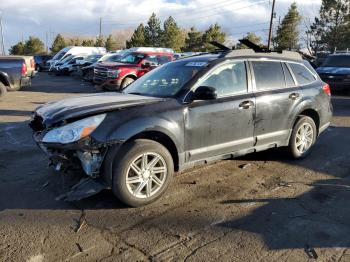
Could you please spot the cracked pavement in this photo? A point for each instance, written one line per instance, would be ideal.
(274, 209)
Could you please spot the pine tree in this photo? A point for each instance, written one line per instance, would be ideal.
(213, 33)
(252, 37)
(33, 46)
(138, 37)
(172, 35)
(17, 49)
(331, 29)
(153, 32)
(288, 33)
(110, 44)
(88, 42)
(99, 41)
(193, 41)
(58, 44)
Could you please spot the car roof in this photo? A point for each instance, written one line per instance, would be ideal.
(244, 53)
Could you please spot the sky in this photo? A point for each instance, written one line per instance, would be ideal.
(81, 17)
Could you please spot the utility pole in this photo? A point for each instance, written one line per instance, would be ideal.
(2, 37)
(100, 35)
(271, 21)
(46, 40)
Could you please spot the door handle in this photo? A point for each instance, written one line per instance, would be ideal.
(246, 104)
(294, 96)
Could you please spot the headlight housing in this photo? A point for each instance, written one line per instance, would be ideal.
(74, 131)
(113, 73)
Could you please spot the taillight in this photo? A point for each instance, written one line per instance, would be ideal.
(24, 70)
(326, 88)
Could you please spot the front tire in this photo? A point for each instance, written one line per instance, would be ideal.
(303, 137)
(126, 81)
(143, 170)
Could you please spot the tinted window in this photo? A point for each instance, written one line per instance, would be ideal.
(268, 75)
(151, 59)
(302, 74)
(289, 79)
(163, 59)
(228, 79)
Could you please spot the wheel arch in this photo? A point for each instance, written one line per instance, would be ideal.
(312, 113)
(4, 79)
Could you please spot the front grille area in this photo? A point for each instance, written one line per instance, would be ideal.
(332, 78)
(37, 124)
(100, 72)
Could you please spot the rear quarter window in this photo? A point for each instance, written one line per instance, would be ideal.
(302, 74)
(268, 75)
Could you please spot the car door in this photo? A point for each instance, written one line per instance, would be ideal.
(276, 96)
(223, 125)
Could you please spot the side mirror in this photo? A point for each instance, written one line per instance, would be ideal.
(205, 93)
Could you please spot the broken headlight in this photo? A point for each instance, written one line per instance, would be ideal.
(74, 131)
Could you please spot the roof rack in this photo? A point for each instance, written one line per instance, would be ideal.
(255, 50)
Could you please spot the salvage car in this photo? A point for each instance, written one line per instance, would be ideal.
(132, 65)
(187, 112)
(41, 62)
(335, 71)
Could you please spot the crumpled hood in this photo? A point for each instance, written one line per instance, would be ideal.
(334, 70)
(57, 111)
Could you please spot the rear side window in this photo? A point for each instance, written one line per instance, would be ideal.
(268, 75)
(302, 74)
(163, 59)
(289, 79)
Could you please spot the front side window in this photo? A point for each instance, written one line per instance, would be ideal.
(302, 74)
(132, 58)
(228, 79)
(268, 75)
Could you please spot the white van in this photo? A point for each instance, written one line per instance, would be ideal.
(75, 50)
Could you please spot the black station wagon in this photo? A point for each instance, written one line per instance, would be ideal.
(187, 112)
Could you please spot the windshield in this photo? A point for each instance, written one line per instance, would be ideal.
(132, 58)
(59, 55)
(166, 80)
(113, 58)
(337, 61)
(92, 58)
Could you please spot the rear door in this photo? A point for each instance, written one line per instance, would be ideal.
(276, 96)
(223, 125)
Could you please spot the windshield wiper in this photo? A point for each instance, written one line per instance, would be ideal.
(135, 93)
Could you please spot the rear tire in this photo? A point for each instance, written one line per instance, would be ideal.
(3, 90)
(142, 171)
(303, 137)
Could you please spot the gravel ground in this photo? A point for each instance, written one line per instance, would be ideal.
(262, 207)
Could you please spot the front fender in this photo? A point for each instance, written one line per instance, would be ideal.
(125, 131)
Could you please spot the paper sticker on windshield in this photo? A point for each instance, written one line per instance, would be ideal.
(199, 64)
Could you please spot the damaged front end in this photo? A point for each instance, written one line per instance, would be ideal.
(69, 145)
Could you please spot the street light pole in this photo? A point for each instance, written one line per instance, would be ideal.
(271, 22)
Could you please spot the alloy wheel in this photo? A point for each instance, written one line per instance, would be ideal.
(146, 175)
(304, 137)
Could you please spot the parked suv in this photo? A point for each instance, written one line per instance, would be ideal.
(187, 112)
(132, 65)
(335, 71)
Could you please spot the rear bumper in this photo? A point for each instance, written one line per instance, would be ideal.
(25, 81)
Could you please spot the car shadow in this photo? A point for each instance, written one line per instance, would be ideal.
(318, 218)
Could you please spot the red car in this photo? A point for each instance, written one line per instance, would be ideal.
(132, 65)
